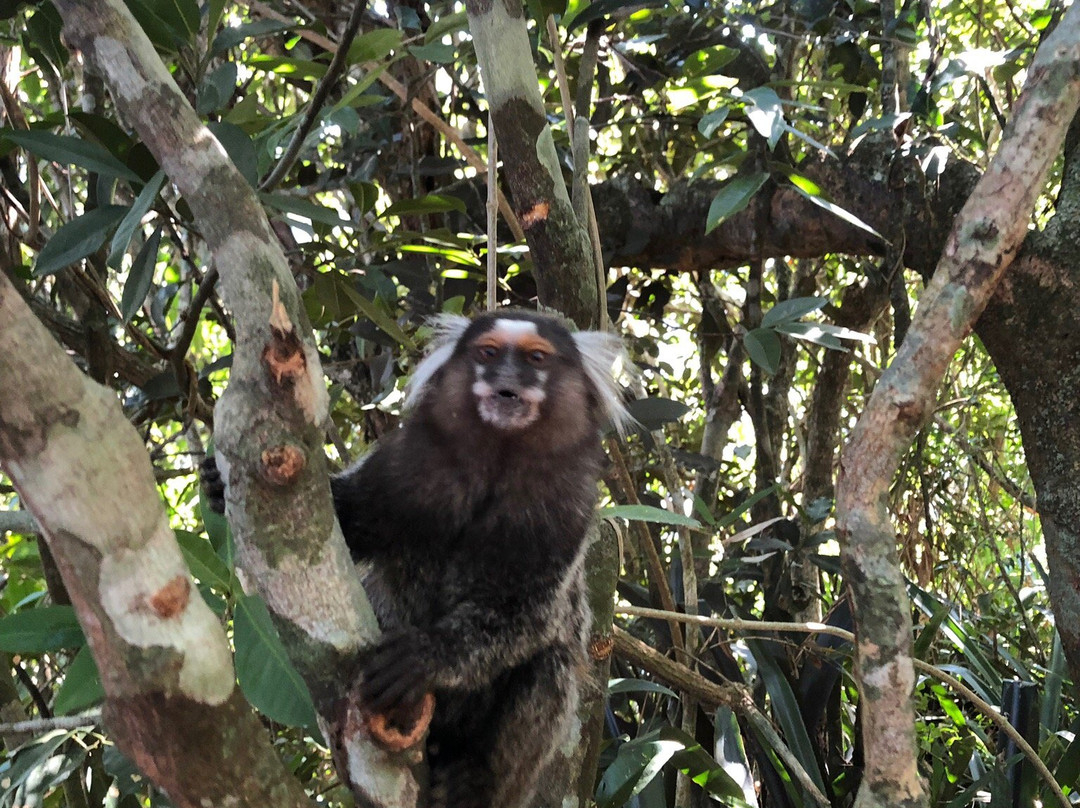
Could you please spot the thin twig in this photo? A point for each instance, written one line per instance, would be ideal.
(492, 216)
(418, 106)
(315, 104)
(739, 625)
(644, 538)
(711, 696)
(38, 726)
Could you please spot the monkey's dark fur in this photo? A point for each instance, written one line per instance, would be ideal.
(469, 523)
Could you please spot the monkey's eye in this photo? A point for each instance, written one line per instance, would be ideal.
(486, 352)
(537, 358)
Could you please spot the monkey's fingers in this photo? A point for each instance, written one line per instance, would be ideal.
(394, 674)
(213, 486)
(391, 693)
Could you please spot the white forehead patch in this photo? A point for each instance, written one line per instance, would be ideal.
(514, 330)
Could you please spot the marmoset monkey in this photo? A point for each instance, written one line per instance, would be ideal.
(469, 524)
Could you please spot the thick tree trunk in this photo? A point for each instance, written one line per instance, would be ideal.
(171, 700)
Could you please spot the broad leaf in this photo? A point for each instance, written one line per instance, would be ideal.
(734, 197)
(648, 513)
(766, 113)
(374, 45)
(788, 311)
(653, 412)
(77, 239)
(82, 685)
(203, 561)
(266, 676)
(141, 277)
(71, 151)
(231, 37)
(763, 348)
(432, 203)
(638, 686)
(836, 210)
(786, 710)
(133, 218)
(35, 631)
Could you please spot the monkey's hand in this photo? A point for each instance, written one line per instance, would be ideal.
(395, 676)
(213, 485)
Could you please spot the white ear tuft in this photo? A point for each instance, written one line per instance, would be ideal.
(448, 330)
(604, 357)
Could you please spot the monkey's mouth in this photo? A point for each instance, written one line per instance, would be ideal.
(508, 409)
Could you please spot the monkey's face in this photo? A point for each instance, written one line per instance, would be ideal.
(513, 363)
(521, 375)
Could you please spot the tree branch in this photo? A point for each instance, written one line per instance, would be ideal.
(269, 421)
(984, 239)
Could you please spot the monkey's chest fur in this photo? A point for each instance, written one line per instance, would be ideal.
(493, 535)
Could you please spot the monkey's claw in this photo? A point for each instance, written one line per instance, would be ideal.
(394, 675)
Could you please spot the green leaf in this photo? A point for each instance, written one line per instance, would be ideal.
(786, 710)
(733, 197)
(766, 113)
(811, 331)
(203, 561)
(231, 37)
(788, 311)
(640, 760)
(77, 239)
(266, 675)
(239, 147)
(636, 764)
(43, 30)
(728, 519)
(731, 755)
(308, 210)
(840, 212)
(68, 150)
(711, 120)
(82, 685)
(133, 218)
(432, 203)
(293, 68)
(374, 45)
(38, 767)
(141, 277)
(648, 513)
(653, 412)
(436, 52)
(374, 313)
(446, 24)
(763, 348)
(638, 686)
(216, 89)
(35, 631)
(816, 333)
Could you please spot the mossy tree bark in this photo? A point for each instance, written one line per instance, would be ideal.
(558, 241)
(270, 421)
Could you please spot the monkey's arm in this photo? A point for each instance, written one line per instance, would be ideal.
(484, 635)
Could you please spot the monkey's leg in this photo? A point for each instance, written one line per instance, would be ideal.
(535, 719)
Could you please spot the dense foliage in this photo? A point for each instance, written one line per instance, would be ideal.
(752, 371)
